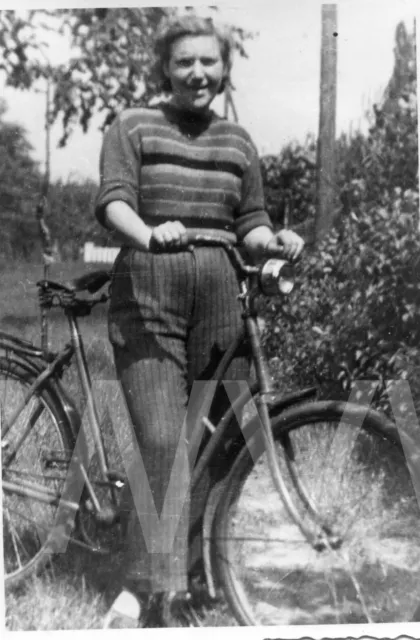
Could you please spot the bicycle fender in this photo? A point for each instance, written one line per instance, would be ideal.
(73, 415)
(341, 410)
(208, 519)
(20, 347)
(60, 396)
(278, 402)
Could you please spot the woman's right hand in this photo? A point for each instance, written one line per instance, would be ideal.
(167, 235)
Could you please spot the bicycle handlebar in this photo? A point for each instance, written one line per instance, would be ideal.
(58, 294)
(194, 239)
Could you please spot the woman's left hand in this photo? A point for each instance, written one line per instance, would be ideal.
(285, 243)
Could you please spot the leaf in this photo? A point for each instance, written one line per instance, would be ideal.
(358, 355)
(318, 330)
(103, 41)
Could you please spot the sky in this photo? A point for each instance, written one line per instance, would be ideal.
(277, 87)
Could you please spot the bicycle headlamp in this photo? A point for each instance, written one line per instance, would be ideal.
(277, 276)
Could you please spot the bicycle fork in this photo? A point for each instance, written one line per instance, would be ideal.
(322, 537)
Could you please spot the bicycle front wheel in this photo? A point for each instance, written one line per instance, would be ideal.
(347, 482)
(41, 441)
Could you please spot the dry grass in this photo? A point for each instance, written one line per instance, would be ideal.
(47, 603)
(74, 592)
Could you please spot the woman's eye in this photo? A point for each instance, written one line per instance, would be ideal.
(186, 62)
(189, 62)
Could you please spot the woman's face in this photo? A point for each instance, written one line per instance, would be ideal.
(195, 70)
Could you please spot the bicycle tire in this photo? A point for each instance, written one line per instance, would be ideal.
(27, 522)
(359, 486)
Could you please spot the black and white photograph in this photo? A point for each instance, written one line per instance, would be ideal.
(210, 317)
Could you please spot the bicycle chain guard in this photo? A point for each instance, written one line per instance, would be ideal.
(102, 532)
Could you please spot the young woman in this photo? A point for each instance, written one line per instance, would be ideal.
(166, 170)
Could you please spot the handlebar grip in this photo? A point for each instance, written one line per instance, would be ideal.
(279, 254)
(192, 239)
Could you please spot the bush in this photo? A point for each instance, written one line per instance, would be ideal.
(356, 312)
(290, 183)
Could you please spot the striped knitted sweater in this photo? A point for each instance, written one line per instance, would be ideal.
(171, 165)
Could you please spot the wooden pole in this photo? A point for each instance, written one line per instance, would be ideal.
(41, 210)
(48, 133)
(229, 103)
(226, 103)
(327, 123)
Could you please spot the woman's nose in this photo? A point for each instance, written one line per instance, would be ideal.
(198, 70)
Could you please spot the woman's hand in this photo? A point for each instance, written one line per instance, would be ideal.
(285, 243)
(130, 229)
(168, 234)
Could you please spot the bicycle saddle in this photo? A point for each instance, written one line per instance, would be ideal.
(90, 282)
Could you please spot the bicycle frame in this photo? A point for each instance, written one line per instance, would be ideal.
(52, 367)
(235, 452)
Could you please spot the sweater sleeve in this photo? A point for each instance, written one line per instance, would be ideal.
(251, 212)
(119, 169)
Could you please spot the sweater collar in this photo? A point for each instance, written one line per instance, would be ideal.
(191, 123)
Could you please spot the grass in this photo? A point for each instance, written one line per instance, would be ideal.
(47, 603)
(74, 592)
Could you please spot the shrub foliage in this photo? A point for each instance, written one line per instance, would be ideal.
(355, 313)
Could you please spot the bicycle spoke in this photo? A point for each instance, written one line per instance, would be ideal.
(29, 425)
(28, 519)
(331, 584)
(234, 538)
(3, 387)
(358, 590)
(345, 529)
(13, 536)
(35, 476)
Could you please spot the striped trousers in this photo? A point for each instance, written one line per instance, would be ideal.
(171, 318)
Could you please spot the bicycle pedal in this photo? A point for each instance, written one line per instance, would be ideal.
(108, 517)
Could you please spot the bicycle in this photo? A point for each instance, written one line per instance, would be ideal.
(313, 521)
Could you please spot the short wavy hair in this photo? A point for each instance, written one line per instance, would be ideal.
(177, 26)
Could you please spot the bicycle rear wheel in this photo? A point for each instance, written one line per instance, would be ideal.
(40, 434)
(355, 484)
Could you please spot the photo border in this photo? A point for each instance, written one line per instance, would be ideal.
(408, 631)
